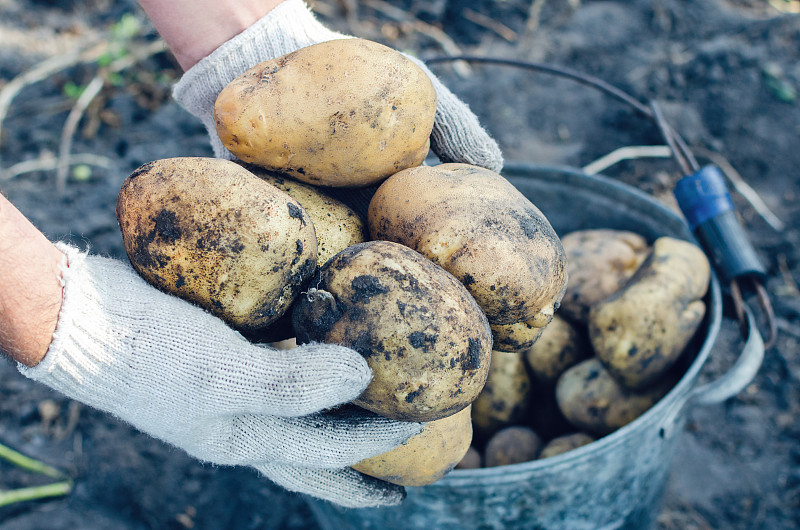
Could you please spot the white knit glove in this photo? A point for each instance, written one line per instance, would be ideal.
(457, 135)
(180, 374)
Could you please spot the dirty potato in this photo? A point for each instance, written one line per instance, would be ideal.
(640, 331)
(600, 262)
(512, 445)
(564, 444)
(346, 112)
(593, 401)
(479, 227)
(515, 337)
(426, 457)
(336, 224)
(505, 396)
(426, 340)
(209, 231)
(559, 347)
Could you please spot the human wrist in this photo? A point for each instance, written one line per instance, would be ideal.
(30, 288)
(193, 29)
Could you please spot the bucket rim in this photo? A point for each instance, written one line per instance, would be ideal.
(674, 400)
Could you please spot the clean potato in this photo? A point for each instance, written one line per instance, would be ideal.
(641, 330)
(426, 340)
(346, 112)
(593, 401)
(559, 347)
(337, 225)
(600, 262)
(479, 227)
(209, 231)
(505, 396)
(425, 458)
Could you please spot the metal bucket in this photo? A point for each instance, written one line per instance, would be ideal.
(615, 482)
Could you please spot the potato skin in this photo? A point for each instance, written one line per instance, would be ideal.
(565, 443)
(512, 445)
(346, 112)
(593, 401)
(640, 331)
(337, 225)
(426, 340)
(480, 228)
(504, 399)
(426, 457)
(559, 347)
(515, 337)
(600, 262)
(208, 231)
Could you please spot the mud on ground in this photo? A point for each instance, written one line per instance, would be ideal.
(727, 74)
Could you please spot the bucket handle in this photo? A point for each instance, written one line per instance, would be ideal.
(740, 374)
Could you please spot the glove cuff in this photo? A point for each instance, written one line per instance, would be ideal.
(288, 27)
(73, 356)
(105, 328)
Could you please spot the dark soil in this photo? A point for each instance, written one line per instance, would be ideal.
(727, 75)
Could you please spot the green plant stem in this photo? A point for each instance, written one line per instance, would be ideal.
(56, 489)
(27, 463)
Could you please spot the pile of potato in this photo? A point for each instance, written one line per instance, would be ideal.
(444, 287)
(606, 357)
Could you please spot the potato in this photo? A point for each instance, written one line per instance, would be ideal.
(559, 347)
(426, 340)
(565, 443)
(515, 337)
(640, 331)
(426, 457)
(472, 459)
(593, 401)
(600, 262)
(336, 224)
(512, 445)
(480, 228)
(504, 399)
(346, 112)
(209, 231)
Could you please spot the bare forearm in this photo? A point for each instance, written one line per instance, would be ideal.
(30, 290)
(194, 28)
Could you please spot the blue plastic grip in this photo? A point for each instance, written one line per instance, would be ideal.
(706, 203)
(703, 195)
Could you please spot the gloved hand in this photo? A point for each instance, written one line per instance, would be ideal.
(457, 135)
(182, 375)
